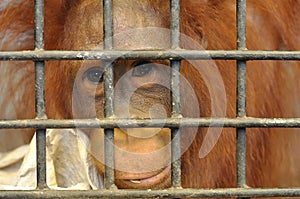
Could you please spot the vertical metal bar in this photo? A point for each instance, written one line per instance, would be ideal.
(40, 97)
(39, 24)
(175, 23)
(107, 24)
(241, 93)
(175, 95)
(109, 178)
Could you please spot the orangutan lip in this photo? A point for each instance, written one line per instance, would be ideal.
(152, 180)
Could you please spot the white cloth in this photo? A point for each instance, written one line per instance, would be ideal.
(69, 165)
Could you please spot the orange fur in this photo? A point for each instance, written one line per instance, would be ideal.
(272, 86)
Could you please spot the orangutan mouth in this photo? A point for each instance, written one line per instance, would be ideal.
(157, 180)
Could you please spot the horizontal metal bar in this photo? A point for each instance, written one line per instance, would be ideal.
(246, 122)
(167, 193)
(40, 55)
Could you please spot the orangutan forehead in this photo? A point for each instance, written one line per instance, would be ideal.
(147, 28)
(127, 13)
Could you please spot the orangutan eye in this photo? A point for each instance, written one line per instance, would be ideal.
(94, 75)
(142, 69)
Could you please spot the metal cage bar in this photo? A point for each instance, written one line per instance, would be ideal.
(153, 54)
(166, 193)
(241, 122)
(245, 122)
(175, 95)
(40, 97)
(109, 176)
(241, 94)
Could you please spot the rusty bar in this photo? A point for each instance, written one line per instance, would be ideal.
(175, 95)
(166, 193)
(109, 177)
(241, 94)
(152, 54)
(39, 94)
(246, 122)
